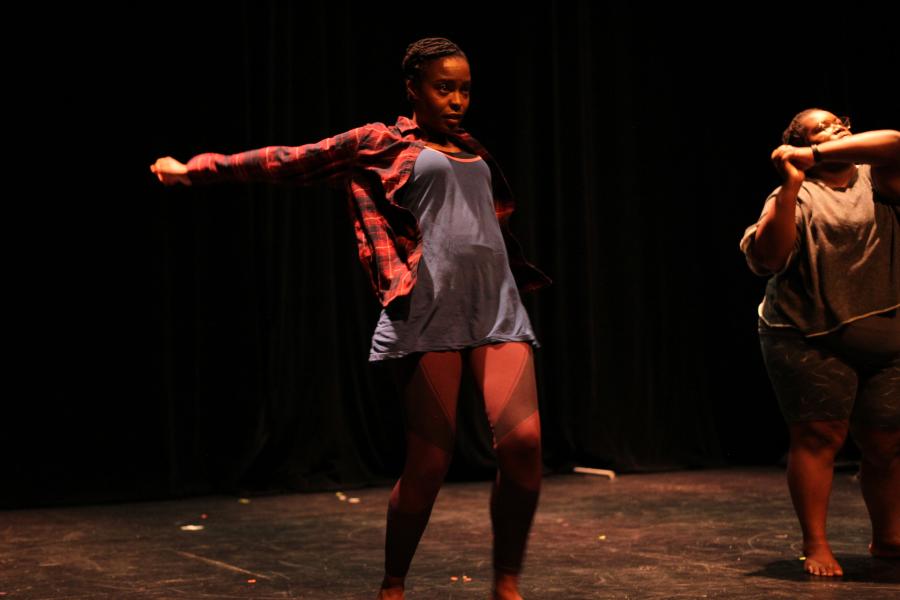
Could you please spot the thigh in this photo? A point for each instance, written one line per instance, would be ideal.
(428, 384)
(878, 400)
(504, 374)
(811, 382)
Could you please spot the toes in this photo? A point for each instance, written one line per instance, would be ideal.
(821, 570)
(811, 567)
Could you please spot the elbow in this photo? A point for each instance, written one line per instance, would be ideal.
(775, 265)
(894, 146)
(768, 263)
(771, 261)
(888, 147)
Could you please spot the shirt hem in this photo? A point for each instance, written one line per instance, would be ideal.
(777, 326)
(379, 356)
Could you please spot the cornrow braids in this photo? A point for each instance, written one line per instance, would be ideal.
(427, 49)
(795, 134)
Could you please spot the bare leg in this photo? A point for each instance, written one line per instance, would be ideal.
(505, 374)
(880, 480)
(810, 472)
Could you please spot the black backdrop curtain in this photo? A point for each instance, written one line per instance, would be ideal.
(190, 340)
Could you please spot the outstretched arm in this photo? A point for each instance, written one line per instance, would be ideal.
(311, 163)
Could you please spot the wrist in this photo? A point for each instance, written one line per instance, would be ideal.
(816, 154)
(793, 182)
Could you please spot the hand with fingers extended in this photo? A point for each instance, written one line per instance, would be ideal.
(169, 171)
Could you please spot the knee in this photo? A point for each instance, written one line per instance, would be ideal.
(519, 457)
(521, 443)
(430, 470)
(425, 461)
(819, 436)
(880, 448)
(437, 470)
(421, 481)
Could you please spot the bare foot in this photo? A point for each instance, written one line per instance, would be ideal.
(820, 561)
(391, 588)
(506, 587)
(879, 550)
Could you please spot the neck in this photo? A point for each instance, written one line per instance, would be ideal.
(834, 174)
(429, 134)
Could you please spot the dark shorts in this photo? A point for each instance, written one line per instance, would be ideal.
(852, 374)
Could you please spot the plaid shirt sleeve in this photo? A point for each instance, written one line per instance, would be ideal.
(326, 161)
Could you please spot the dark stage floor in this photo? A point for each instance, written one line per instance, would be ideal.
(699, 534)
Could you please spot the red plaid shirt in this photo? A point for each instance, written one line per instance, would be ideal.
(373, 162)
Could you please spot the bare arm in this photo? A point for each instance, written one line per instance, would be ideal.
(881, 149)
(776, 232)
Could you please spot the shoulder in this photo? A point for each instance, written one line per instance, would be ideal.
(373, 130)
(467, 140)
(378, 135)
(805, 195)
(885, 180)
(863, 176)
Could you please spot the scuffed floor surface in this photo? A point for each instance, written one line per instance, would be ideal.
(696, 534)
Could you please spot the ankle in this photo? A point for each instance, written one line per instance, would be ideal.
(812, 545)
(390, 582)
(506, 587)
(506, 581)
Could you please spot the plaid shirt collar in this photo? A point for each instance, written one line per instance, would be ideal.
(406, 125)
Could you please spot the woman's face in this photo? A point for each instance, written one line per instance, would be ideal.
(822, 126)
(441, 96)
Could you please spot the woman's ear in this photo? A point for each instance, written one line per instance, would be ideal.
(411, 93)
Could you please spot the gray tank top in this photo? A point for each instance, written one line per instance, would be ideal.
(465, 294)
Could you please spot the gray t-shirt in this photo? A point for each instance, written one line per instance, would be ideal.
(465, 294)
(845, 264)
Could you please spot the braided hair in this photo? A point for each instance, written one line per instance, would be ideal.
(420, 53)
(795, 134)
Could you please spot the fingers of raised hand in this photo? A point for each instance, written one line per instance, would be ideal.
(783, 152)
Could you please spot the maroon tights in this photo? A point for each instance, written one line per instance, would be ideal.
(504, 374)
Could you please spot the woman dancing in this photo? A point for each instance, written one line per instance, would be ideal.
(829, 328)
(430, 209)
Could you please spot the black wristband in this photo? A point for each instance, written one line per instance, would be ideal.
(817, 156)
